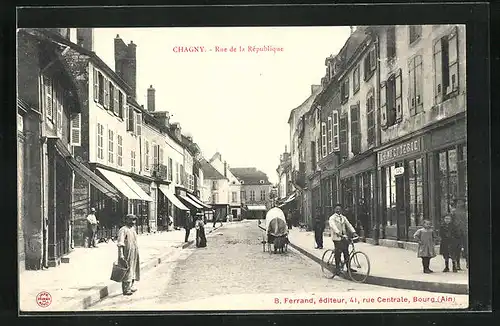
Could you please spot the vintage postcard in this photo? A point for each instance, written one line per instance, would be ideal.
(242, 168)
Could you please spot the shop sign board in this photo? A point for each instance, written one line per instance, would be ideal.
(400, 151)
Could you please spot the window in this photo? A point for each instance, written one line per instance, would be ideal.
(130, 121)
(318, 115)
(355, 80)
(391, 42)
(323, 139)
(335, 135)
(183, 175)
(100, 141)
(318, 150)
(252, 195)
(369, 64)
(214, 185)
(343, 137)
(243, 195)
(100, 79)
(146, 155)
(329, 134)
(119, 154)
(156, 156)
(415, 33)
(262, 195)
(416, 85)
(76, 130)
(234, 196)
(355, 130)
(415, 175)
(446, 67)
(370, 117)
(344, 90)
(216, 198)
(111, 144)
(390, 100)
(170, 168)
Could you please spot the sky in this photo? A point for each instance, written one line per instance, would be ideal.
(236, 103)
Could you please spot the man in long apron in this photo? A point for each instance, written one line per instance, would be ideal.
(128, 254)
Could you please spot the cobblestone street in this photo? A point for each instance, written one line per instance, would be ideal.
(234, 273)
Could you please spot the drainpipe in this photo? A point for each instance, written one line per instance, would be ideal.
(377, 177)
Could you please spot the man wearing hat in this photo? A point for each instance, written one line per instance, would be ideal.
(128, 254)
(92, 227)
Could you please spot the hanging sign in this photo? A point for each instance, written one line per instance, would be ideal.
(399, 170)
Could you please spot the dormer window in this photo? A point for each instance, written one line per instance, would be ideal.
(242, 182)
(261, 181)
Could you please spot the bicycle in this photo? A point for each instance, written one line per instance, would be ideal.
(357, 260)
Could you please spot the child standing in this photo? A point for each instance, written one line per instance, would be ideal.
(426, 241)
(450, 243)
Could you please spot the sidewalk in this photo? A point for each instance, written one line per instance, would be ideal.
(392, 267)
(85, 280)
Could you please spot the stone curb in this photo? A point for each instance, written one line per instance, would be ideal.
(452, 288)
(112, 287)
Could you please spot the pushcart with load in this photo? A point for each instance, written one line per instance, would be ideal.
(275, 232)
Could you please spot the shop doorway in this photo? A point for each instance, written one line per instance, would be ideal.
(63, 208)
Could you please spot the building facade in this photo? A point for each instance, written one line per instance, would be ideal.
(217, 191)
(387, 134)
(255, 191)
(234, 191)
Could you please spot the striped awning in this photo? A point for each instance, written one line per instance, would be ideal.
(172, 198)
(198, 201)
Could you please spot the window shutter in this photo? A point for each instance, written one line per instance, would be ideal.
(399, 103)
(336, 131)
(330, 134)
(347, 88)
(155, 155)
(418, 82)
(453, 60)
(383, 104)
(59, 101)
(106, 93)
(323, 139)
(76, 130)
(139, 124)
(438, 72)
(95, 79)
(47, 87)
(130, 119)
(116, 106)
(54, 100)
(161, 154)
(121, 104)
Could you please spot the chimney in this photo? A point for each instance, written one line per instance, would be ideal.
(285, 148)
(85, 38)
(353, 29)
(151, 99)
(125, 62)
(225, 169)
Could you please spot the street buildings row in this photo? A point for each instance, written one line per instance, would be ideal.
(385, 135)
(85, 141)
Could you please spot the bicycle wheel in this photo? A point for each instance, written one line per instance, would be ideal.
(359, 267)
(328, 264)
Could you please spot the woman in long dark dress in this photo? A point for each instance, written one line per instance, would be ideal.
(201, 240)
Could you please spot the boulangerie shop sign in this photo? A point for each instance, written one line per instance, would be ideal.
(400, 151)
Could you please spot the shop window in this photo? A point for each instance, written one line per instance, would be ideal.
(416, 85)
(448, 163)
(446, 67)
(416, 205)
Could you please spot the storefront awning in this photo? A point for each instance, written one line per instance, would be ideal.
(199, 202)
(92, 178)
(257, 208)
(135, 187)
(191, 202)
(171, 197)
(116, 180)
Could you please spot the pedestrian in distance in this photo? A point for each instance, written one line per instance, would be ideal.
(319, 228)
(340, 227)
(92, 228)
(426, 238)
(188, 225)
(128, 254)
(450, 243)
(201, 240)
(458, 214)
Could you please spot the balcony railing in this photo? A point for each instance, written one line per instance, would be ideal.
(160, 171)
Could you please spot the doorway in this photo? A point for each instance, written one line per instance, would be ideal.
(402, 218)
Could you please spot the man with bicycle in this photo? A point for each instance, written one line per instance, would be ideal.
(339, 226)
